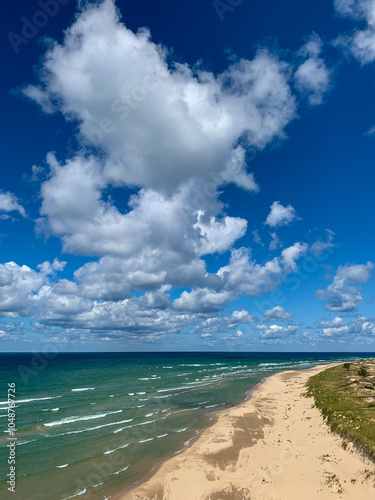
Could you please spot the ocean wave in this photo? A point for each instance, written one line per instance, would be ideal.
(79, 493)
(140, 393)
(162, 435)
(92, 428)
(80, 389)
(51, 409)
(134, 425)
(182, 430)
(122, 470)
(130, 393)
(145, 440)
(173, 389)
(96, 485)
(185, 409)
(20, 443)
(31, 400)
(144, 378)
(115, 449)
(61, 466)
(70, 420)
(272, 364)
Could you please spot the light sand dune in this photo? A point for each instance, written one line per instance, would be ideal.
(275, 446)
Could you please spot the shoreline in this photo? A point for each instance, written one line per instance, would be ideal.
(213, 416)
(218, 463)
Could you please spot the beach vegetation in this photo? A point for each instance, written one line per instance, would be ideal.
(363, 372)
(346, 400)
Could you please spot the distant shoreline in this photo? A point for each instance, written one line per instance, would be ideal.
(227, 457)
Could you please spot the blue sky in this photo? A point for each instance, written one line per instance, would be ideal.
(187, 176)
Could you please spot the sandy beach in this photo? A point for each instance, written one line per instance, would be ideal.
(274, 446)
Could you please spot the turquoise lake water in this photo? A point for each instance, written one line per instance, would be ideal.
(88, 425)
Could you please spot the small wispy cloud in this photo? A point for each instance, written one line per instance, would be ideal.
(370, 132)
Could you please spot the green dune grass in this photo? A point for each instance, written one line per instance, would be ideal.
(345, 394)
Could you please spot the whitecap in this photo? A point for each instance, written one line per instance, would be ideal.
(121, 470)
(31, 400)
(134, 425)
(115, 449)
(83, 389)
(93, 428)
(80, 492)
(70, 420)
(20, 443)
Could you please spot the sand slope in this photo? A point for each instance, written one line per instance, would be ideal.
(275, 446)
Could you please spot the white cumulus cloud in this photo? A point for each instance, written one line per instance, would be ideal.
(280, 215)
(9, 203)
(312, 77)
(342, 295)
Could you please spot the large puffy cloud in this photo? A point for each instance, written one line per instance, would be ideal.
(312, 77)
(357, 329)
(275, 332)
(18, 284)
(362, 42)
(214, 325)
(75, 209)
(341, 295)
(357, 9)
(246, 276)
(277, 313)
(161, 124)
(280, 215)
(202, 301)
(334, 323)
(148, 314)
(9, 203)
(175, 135)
